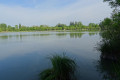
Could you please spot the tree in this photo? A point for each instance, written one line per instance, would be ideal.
(72, 23)
(113, 3)
(3, 26)
(16, 26)
(0, 30)
(109, 46)
(105, 23)
(9, 28)
(92, 25)
(19, 26)
(60, 25)
(80, 24)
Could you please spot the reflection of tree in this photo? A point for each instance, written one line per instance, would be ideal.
(61, 34)
(91, 34)
(4, 37)
(40, 34)
(21, 36)
(109, 70)
(76, 35)
(33, 35)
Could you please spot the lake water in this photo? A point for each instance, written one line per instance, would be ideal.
(23, 55)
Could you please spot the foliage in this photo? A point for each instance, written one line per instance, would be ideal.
(109, 45)
(3, 26)
(63, 69)
(76, 35)
(113, 3)
(0, 30)
(72, 26)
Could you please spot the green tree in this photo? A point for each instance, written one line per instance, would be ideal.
(3, 26)
(72, 23)
(109, 46)
(16, 27)
(92, 24)
(113, 3)
(9, 28)
(0, 30)
(19, 26)
(106, 23)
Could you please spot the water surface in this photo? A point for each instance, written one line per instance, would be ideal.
(23, 55)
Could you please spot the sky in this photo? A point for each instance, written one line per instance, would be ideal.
(52, 12)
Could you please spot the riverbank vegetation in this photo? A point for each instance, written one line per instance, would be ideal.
(109, 70)
(71, 26)
(109, 46)
(109, 63)
(63, 68)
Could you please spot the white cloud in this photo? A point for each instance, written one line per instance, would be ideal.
(79, 11)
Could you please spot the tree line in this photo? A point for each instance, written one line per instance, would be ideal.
(59, 26)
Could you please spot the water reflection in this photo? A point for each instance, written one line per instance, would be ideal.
(3, 37)
(40, 34)
(21, 36)
(91, 34)
(76, 35)
(109, 70)
(61, 34)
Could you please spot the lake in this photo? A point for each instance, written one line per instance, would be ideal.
(23, 55)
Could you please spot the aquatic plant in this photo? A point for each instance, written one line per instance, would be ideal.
(63, 68)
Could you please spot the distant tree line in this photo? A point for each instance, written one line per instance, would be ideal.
(59, 26)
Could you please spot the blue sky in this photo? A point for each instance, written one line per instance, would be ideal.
(51, 12)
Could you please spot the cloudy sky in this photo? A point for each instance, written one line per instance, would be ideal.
(51, 12)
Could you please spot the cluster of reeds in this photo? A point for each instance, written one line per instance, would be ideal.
(63, 68)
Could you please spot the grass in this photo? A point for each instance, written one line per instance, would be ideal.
(63, 68)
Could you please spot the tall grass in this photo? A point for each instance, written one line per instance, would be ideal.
(63, 68)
